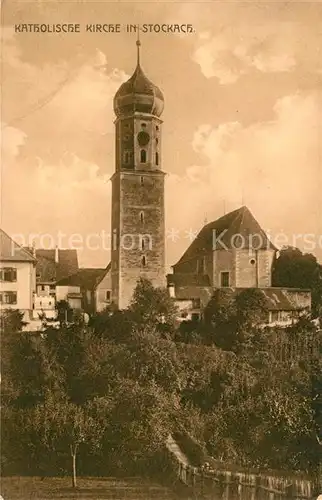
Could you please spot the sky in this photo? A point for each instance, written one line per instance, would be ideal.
(242, 118)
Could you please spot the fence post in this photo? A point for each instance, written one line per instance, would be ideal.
(179, 471)
(226, 487)
(202, 482)
(256, 489)
(193, 479)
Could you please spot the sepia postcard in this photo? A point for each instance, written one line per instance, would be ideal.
(161, 249)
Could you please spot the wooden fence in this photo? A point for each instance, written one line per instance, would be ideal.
(224, 484)
(228, 485)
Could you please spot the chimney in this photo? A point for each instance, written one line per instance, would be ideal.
(33, 248)
(56, 255)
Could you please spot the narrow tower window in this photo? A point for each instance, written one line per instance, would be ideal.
(143, 156)
(157, 158)
(142, 181)
(142, 244)
(141, 217)
(143, 261)
(157, 128)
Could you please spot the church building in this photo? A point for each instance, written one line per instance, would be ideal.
(232, 252)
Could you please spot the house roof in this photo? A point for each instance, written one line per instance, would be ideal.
(276, 299)
(48, 270)
(10, 251)
(286, 299)
(86, 278)
(238, 229)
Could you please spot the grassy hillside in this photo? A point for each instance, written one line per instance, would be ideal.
(27, 488)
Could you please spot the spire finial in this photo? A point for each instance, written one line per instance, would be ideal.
(138, 45)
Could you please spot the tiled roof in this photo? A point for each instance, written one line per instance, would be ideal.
(219, 235)
(10, 251)
(276, 299)
(286, 299)
(86, 278)
(48, 270)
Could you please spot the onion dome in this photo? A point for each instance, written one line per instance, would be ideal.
(138, 94)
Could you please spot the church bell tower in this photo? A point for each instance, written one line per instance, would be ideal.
(138, 232)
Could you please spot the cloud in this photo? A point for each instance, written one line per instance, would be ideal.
(11, 141)
(69, 198)
(272, 167)
(233, 52)
(66, 106)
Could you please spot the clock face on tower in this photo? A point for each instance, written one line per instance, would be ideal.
(143, 138)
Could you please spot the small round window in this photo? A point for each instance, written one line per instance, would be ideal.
(253, 262)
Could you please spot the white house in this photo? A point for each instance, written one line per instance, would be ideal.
(17, 276)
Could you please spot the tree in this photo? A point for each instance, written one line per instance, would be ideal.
(220, 317)
(11, 321)
(298, 270)
(11, 325)
(61, 425)
(64, 312)
(152, 306)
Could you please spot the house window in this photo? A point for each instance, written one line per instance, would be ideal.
(42, 288)
(108, 295)
(275, 316)
(224, 279)
(8, 298)
(143, 156)
(196, 303)
(8, 274)
(157, 158)
(143, 261)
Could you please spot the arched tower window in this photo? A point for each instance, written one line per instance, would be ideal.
(143, 156)
(143, 261)
(142, 244)
(157, 158)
